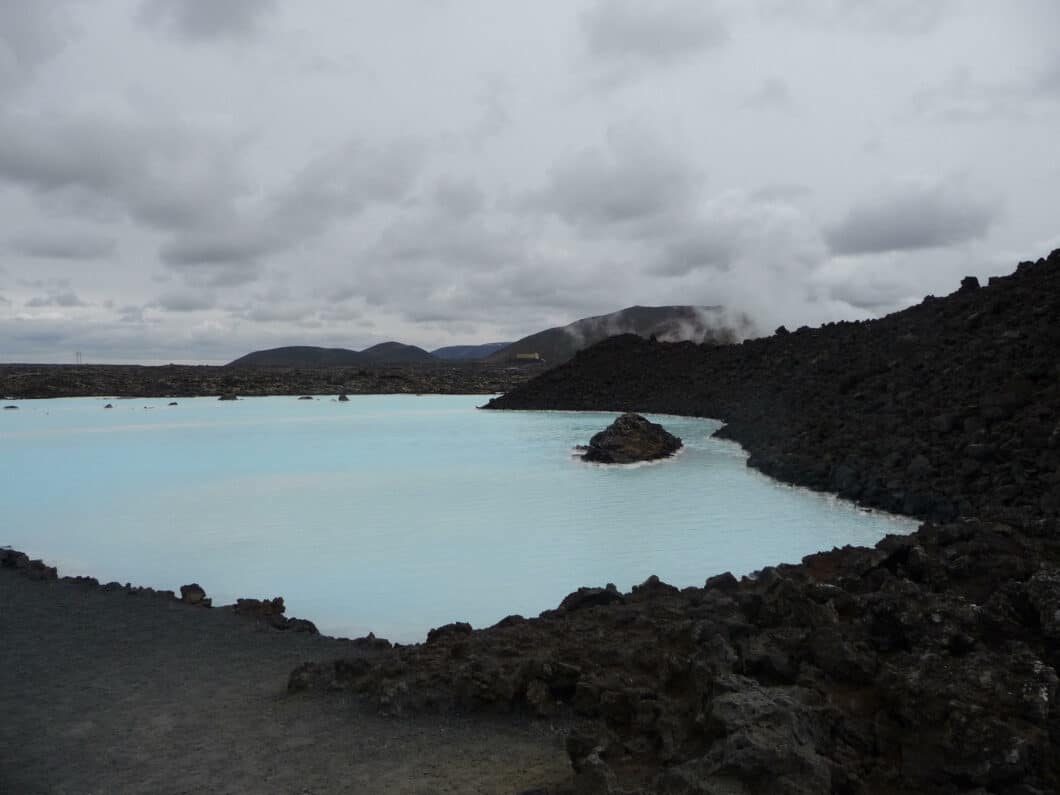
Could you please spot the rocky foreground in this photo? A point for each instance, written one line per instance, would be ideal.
(112, 689)
(23, 381)
(926, 664)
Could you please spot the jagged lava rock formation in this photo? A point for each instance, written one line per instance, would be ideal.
(926, 664)
(629, 439)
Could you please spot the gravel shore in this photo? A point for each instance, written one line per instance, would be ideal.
(108, 691)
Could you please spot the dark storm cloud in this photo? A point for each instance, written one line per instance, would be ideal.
(64, 246)
(916, 215)
(204, 20)
(659, 32)
(634, 178)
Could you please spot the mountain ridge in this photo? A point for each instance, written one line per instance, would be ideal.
(672, 323)
(552, 346)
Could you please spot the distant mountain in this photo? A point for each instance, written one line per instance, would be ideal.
(396, 352)
(302, 356)
(666, 323)
(468, 352)
(310, 356)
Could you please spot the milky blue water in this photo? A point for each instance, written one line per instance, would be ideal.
(393, 514)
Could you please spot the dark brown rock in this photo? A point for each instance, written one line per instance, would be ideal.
(629, 439)
(194, 594)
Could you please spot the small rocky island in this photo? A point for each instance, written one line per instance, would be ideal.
(629, 439)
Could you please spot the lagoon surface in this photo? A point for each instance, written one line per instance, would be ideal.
(391, 514)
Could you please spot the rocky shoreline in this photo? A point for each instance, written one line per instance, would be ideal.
(925, 664)
(29, 381)
(108, 688)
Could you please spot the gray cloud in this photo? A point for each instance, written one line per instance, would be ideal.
(964, 98)
(1047, 83)
(913, 215)
(30, 34)
(216, 247)
(345, 180)
(130, 313)
(64, 245)
(702, 248)
(632, 179)
(62, 298)
(458, 197)
(494, 118)
(163, 173)
(773, 93)
(437, 173)
(337, 185)
(659, 32)
(896, 17)
(198, 20)
(185, 301)
(788, 192)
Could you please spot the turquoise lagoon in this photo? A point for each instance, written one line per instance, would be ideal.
(391, 514)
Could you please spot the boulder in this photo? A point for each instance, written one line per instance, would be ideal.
(344, 398)
(591, 597)
(229, 396)
(456, 629)
(631, 438)
(194, 594)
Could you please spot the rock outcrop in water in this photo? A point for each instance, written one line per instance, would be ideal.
(629, 439)
(926, 664)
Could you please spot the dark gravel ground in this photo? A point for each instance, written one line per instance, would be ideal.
(114, 692)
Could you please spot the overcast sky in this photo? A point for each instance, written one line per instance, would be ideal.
(187, 180)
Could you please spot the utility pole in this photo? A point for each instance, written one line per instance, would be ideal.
(78, 357)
